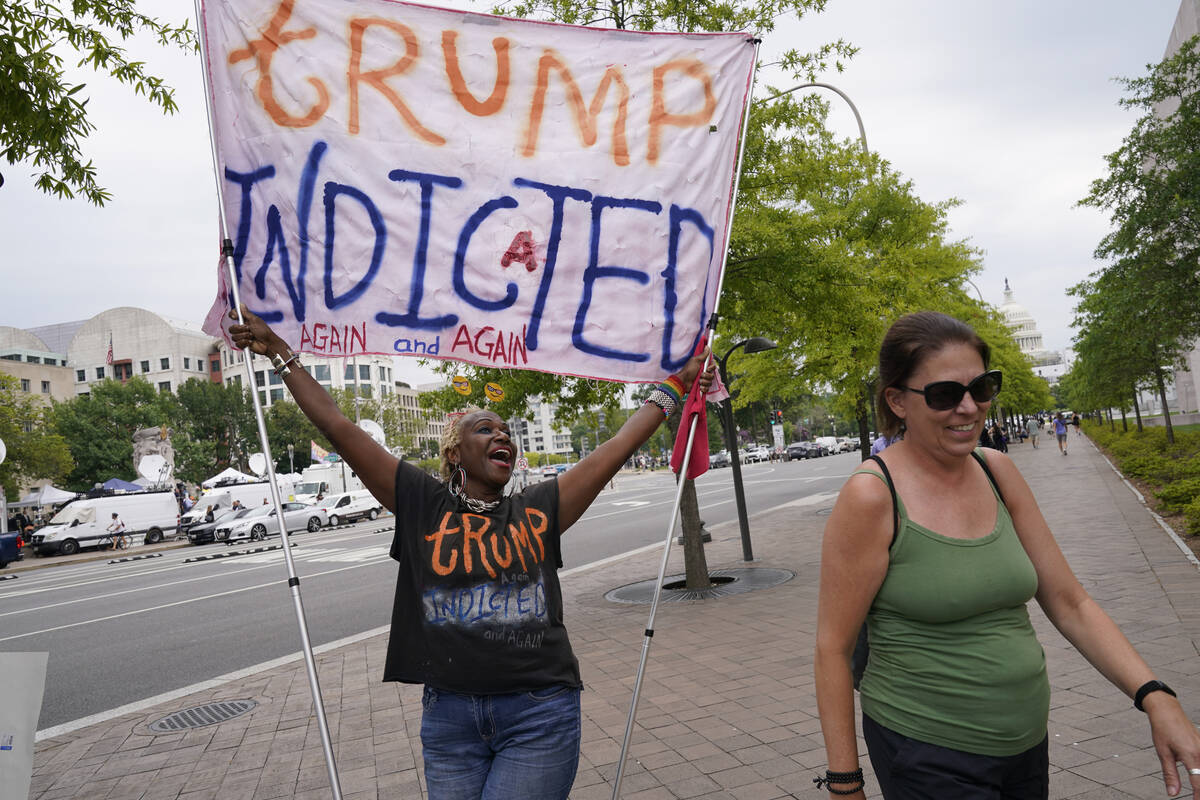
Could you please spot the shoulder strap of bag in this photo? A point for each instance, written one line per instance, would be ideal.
(887, 477)
(983, 463)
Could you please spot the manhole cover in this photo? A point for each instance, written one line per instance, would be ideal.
(725, 582)
(199, 716)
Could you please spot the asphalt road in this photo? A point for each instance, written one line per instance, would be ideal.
(118, 633)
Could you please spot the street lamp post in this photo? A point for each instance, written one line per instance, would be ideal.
(756, 344)
(292, 457)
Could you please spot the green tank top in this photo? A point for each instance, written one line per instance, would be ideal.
(954, 660)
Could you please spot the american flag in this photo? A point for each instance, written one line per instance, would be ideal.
(108, 358)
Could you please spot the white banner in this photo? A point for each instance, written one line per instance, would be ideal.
(407, 180)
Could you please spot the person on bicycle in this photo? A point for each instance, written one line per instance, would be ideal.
(117, 529)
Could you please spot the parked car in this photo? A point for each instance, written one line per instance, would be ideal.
(549, 471)
(260, 522)
(205, 532)
(797, 450)
(349, 506)
(718, 459)
(756, 453)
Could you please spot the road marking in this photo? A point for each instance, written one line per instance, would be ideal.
(150, 609)
(634, 503)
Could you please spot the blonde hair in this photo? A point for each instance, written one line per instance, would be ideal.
(451, 436)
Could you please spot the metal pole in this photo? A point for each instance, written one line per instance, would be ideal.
(735, 463)
(649, 634)
(637, 688)
(293, 581)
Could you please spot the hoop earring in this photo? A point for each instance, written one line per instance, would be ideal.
(458, 479)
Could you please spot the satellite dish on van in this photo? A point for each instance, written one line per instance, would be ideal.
(258, 464)
(3, 451)
(375, 431)
(152, 467)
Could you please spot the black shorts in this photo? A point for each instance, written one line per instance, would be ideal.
(908, 769)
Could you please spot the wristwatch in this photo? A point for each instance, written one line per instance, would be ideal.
(1148, 687)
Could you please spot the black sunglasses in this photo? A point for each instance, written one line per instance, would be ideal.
(945, 395)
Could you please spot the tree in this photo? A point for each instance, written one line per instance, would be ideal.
(287, 425)
(1151, 287)
(98, 428)
(214, 428)
(35, 450)
(43, 116)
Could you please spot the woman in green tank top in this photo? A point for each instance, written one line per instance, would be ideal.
(955, 696)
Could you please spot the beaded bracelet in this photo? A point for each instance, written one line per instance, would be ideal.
(664, 401)
(668, 395)
(831, 777)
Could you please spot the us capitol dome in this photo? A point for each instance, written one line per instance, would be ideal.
(1024, 330)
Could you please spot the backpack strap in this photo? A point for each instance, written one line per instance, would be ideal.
(887, 478)
(983, 463)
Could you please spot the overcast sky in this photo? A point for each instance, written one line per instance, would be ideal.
(1009, 107)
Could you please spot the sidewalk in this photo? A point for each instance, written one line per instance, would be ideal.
(727, 709)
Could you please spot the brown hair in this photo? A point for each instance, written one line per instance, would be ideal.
(910, 340)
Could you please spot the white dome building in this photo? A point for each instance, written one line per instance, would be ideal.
(1023, 328)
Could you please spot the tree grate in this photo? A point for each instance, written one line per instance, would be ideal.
(725, 582)
(199, 716)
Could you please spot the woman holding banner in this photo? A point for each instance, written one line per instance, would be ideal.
(939, 547)
(477, 615)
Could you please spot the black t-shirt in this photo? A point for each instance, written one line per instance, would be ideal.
(478, 607)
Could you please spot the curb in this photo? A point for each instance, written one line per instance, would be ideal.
(1162, 523)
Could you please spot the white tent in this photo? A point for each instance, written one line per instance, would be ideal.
(45, 496)
(229, 474)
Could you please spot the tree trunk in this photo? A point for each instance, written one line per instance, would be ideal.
(1112, 423)
(1137, 412)
(864, 432)
(1124, 421)
(695, 565)
(1162, 397)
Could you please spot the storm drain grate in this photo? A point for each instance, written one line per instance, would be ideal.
(199, 716)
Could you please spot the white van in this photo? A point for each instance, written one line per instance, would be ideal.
(148, 516)
(221, 498)
(350, 506)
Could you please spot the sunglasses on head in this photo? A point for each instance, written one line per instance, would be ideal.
(945, 395)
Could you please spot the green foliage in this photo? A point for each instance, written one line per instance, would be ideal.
(287, 425)
(1179, 494)
(98, 428)
(1142, 311)
(34, 449)
(214, 428)
(43, 116)
(1171, 469)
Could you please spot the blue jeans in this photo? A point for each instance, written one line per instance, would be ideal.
(501, 746)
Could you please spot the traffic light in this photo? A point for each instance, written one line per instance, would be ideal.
(777, 416)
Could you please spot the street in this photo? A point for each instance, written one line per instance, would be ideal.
(118, 633)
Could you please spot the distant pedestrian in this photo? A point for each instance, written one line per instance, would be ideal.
(1060, 432)
(1075, 422)
(1033, 429)
(882, 443)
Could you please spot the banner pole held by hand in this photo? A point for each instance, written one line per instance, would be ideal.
(293, 581)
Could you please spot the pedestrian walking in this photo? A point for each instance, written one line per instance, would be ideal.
(1060, 432)
(939, 547)
(1033, 429)
(477, 614)
(1075, 423)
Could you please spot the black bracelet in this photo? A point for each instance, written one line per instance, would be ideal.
(841, 777)
(1148, 687)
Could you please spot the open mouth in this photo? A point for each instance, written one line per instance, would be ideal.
(501, 455)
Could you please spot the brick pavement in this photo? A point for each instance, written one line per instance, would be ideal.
(727, 710)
